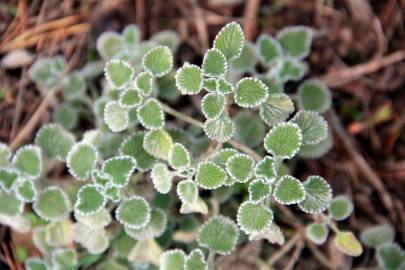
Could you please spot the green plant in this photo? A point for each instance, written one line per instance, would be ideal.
(133, 167)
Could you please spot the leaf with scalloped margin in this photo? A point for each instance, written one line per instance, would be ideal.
(118, 73)
(179, 157)
(341, 207)
(296, 40)
(318, 195)
(108, 44)
(189, 79)
(120, 169)
(195, 260)
(276, 109)
(9, 204)
(212, 105)
(55, 141)
(214, 63)
(266, 168)
(158, 143)
(220, 129)
(133, 146)
(172, 259)
(187, 191)
(254, 218)
(259, 190)
(230, 41)
(313, 95)
(90, 200)
(26, 191)
(8, 179)
(240, 167)
(155, 228)
(283, 140)
(28, 161)
(130, 98)
(250, 92)
(52, 204)
(317, 233)
(81, 160)
(209, 175)
(269, 49)
(158, 61)
(116, 116)
(313, 126)
(134, 212)
(222, 156)
(289, 190)
(162, 178)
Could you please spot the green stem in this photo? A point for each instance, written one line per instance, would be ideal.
(211, 260)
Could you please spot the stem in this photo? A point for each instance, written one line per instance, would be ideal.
(211, 260)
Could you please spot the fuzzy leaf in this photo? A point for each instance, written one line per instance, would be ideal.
(8, 179)
(36, 264)
(162, 178)
(273, 234)
(230, 41)
(210, 84)
(28, 161)
(313, 126)
(100, 219)
(341, 208)
(5, 154)
(250, 92)
(109, 44)
(119, 73)
(224, 87)
(214, 63)
(276, 109)
(219, 234)
(289, 190)
(212, 105)
(254, 218)
(222, 156)
(168, 38)
(377, 236)
(195, 260)
(259, 190)
(240, 167)
(131, 35)
(317, 150)
(73, 86)
(116, 116)
(249, 129)
(120, 169)
(391, 257)
(9, 204)
(95, 240)
(317, 233)
(55, 141)
(189, 79)
(313, 95)
(291, 69)
(59, 233)
(144, 83)
(296, 41)
(172, 259)
(81, 160)
(318, 195)
(135, 213)
(64, 258)
(66, 116)
(247, 60)
(210, 176)
(26, 191)
(151, 115)
(52, 204)
(198, 207)
(130, 98)
(90, 200)
(113, 193)
(266, 168)
(158, 61)
(158, 143)
(283, 140)
(187, 191)
(269, 49)
(179, 157)
(155, 228)
(347, 243)
(220, 129)
(133, 146)
(99, 178)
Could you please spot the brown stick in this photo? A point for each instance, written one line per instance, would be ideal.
(346, 75)
(250, 14)
(285, 248)
(370, 175)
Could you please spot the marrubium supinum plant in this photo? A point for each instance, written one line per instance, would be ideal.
(154, 188)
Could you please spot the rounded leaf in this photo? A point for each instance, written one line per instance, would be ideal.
(296, 41)
(5, 154)
(313, 126)
(247, 60)
(250, 130)
(130, 98)
(317, 150)
(172, 259)
(318, 195)
(155, 228)
(36, 264)
(220, 129)
(195, 260)
(317, 233)
(212, 105)
(119, 73)
(55, 141)
(179, 157)
(224, 87)
(254, 218)
(347, 243)
(66, 115)
(8, 178)
(240, 167)
(266, 168)
(259, 190)
(119, 169)
(81, 160)
(219, 234)
(222, 156)
(290, 69)
(230, 41)
(135, 213)
(100, 219)
(377, 236)
(116, 116)
(313, 95)
(64, 258)
(90, 200)
(187, 191)
(283, 140)
(276, 109)
(108, 44)
(268, 49)
(391, 257)
(158, 61)
(26, 191)
(28, 161)
(52, 204)
(150, 114)
(161, 178)
(158, 143)
(144, 83)
(250, 92)
(214, 63)
(289, 190)
(73, 86)
(341, 207)
(10, 205)
(189, 79)
(209, 175)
